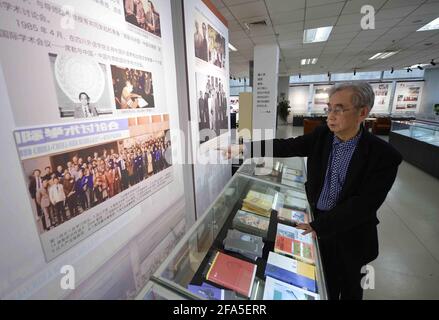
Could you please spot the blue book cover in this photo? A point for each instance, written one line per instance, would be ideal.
(207, 291)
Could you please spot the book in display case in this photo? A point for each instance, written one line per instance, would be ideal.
(225, 254)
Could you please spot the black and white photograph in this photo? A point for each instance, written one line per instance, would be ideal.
(201, 40)
(81, 86)
(212, 104)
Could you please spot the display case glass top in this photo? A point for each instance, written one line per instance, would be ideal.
(425, 131)
(289, 172)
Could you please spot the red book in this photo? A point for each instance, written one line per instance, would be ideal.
(232, 273)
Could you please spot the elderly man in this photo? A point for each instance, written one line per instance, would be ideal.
(350, 172)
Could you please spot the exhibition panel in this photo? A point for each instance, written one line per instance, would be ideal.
(207, 58)
(89, 101)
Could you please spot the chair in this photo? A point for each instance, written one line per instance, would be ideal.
(381, 126)
(310, 124)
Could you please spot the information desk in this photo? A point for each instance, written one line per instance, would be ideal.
(190, 260)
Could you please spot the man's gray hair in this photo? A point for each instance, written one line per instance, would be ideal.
(362, 93)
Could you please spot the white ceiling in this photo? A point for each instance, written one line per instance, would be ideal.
(348, 47)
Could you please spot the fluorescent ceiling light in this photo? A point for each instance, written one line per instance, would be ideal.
(308, 61)
(231, 47)
(317, 34)
(383, 55)
(433, 25)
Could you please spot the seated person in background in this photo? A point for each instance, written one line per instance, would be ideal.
(85, 110)
(128, 99)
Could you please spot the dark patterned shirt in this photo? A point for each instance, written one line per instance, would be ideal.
(338, 164)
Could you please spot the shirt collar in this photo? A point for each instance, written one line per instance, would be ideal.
(353, 141)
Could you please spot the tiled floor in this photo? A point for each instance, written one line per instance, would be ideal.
(408, 264)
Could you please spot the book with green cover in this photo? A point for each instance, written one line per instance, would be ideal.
(248, 245)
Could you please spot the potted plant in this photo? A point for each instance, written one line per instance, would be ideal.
(283, 109)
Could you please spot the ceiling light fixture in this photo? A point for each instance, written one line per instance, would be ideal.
(308, 61)
(432, 25)
(383, 55)
(420, 66)
(316, 34)
(232, 47)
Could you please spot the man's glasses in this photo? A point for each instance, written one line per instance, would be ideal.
(338, 110)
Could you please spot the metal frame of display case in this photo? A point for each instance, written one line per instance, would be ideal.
(218, 221)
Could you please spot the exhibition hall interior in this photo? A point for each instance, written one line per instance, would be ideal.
(219, 150)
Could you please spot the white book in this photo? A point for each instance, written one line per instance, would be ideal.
(142, 102)
(292, 177)
(296, 194)
(296, 203)
(263, 171)
(293, 171)
(292, 183)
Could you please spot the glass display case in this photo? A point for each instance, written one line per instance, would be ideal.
(154, 291)
(187, 268)
(420, 130)
(418, 143)
(274, 170)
